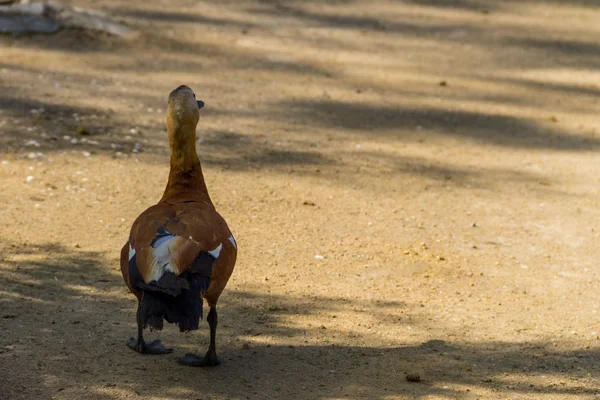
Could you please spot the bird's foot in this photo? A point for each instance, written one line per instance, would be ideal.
(154, 347)
(209, 360)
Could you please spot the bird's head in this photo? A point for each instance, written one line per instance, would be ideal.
(183, 110)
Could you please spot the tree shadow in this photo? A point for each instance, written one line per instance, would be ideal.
(379, 372)
(436, 173)
(163, 52)
(508, 131)
(250, 153)
(58, 302)
(561, 52)
(488, 5)
(238, 151)
(586, 3)
(467, 5)
(49, 311)
(301, 157)
(176, 17)
(583, 92)
(411, 123)
(59, 128)
(361, 24)
(67, 40)
(503, 38)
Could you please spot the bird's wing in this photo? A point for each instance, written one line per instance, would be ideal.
(168, 237)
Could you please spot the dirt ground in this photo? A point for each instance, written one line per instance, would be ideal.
(413, 186)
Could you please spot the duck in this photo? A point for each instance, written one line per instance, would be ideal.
(180, 251)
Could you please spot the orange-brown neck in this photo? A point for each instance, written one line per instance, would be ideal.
(186, 172)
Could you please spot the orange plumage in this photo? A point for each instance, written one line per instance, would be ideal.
(179, 250)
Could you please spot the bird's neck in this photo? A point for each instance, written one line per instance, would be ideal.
(185, 175)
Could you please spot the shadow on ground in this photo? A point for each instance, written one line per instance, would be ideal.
(58, 302)
(404, 124)
(57, 130)
(487, 5)
(40, 126)
(532, 49)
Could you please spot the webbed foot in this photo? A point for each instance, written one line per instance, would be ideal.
(209, 360)
(154, 347)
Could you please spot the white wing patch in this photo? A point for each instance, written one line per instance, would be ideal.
(232, 240)
(162, 240)
(131, 252)
(162, 257)
(215, 253)
(163, 254)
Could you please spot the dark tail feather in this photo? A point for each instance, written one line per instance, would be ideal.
(169, 283)
(181, 305)
(151, 310)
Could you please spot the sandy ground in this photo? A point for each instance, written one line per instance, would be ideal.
(413, 186)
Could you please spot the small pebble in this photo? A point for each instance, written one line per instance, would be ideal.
(137, 148)
(32, 143)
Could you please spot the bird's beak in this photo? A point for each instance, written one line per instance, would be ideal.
(200, 104)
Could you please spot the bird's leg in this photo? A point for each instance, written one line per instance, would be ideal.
(213, 321)
(154, 347)
(210, 358)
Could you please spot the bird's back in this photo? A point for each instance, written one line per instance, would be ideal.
(180, 234)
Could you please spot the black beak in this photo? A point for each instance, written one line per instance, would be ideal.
(200, 103)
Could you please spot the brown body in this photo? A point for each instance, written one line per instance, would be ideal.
(193, 229)
(186, 215)
(185, 210)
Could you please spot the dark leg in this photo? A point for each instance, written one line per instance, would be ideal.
(142, 347)
(211, 355)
